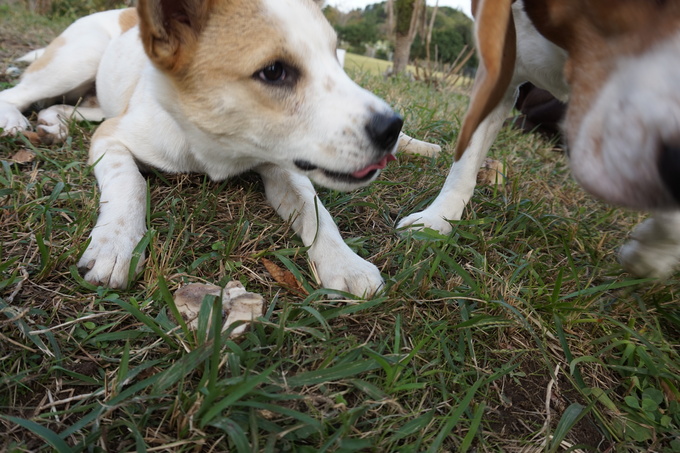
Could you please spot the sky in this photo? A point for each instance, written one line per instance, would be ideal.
(348, 5)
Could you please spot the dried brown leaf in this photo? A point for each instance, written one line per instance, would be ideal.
(284, 277)
(492, 173)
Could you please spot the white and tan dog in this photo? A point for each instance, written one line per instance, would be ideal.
(618, 63)
(217, 87)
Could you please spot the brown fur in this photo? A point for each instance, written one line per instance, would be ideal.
(497, 60)
(169, 30)
(207, 74)
(48, 56)
(128, 19)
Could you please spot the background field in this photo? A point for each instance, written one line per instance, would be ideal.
(516, 332)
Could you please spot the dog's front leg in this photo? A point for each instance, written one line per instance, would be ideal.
(338, 267)
(654, 247)
(460, 183)
(122, 217)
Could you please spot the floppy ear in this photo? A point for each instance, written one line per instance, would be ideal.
(170, 29)
(496, 47)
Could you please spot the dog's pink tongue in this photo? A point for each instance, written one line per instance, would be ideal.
(359, 174)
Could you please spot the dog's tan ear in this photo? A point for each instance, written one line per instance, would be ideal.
(496, 47)
(170, 28)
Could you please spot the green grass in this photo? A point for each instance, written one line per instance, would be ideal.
(516, 332)
(360, 63)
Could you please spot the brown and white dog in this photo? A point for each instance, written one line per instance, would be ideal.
(217, 87)
(618, 63)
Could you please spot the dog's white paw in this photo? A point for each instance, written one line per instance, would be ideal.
(425, 219)
(645, 260)
(355, 275)
(11, 119)
(108, 256)
(653, 250)
(52, 127)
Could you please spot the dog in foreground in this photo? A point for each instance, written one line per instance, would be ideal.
(217, 87)
(618, 64)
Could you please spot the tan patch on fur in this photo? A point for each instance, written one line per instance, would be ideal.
(128, 19)
(107, 129)
(48, 56)
(242, 24)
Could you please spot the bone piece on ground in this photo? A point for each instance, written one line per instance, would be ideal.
(411, 145)
(237, 303)
(492, 173)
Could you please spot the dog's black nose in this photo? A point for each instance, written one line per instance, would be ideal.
(669, 168)
(383, 129)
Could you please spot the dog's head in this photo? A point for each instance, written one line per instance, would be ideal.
(260, 80)
(623, 121)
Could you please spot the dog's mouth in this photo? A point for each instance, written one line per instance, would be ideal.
(356, 177)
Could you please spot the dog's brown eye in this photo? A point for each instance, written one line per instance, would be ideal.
(273, 73)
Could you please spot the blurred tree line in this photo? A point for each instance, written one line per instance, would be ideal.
(369, 32)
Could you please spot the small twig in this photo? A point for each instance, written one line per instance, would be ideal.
(70, 400)
(75, 321)
(16, 343)
(53, 409)
(20, 285)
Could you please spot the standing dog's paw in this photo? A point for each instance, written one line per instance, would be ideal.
(425, 219)
(649, 260)
(107, 259)
(11, 120)
(652, 251)
(355, 276)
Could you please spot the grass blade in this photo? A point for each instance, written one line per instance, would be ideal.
(235, 393)
(474, 427)
(570, 417)
(47, 434)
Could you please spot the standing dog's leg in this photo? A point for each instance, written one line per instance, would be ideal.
(122, 217)
(338, 267)
(462, 178)
(654, 246)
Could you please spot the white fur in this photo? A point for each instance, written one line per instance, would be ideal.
(643, 90)
(654, 247)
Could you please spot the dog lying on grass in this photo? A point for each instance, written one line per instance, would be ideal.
(618, 63)
(217, 87)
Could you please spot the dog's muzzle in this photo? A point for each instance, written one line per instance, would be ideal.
(383, 132)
